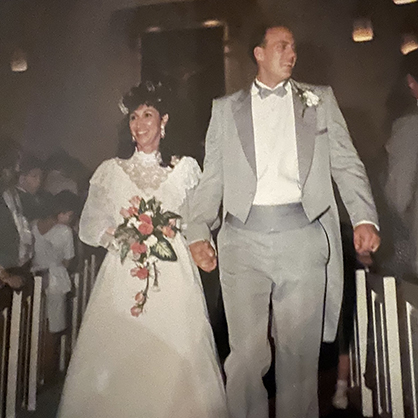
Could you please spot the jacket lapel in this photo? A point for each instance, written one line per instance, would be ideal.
(305, 124)
(244, 122)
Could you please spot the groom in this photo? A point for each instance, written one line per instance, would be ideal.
(271, 152)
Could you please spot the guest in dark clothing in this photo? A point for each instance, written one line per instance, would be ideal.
(28, 186)
(401, 183)
(9, 234)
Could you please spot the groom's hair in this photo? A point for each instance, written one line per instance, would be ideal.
(258, 37)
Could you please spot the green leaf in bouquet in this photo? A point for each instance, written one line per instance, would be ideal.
(158, 219)
(153, 204)
(142, 206)
(124, 251)
(158, 234)
(121, 229)
(171, 215)
(163, 250)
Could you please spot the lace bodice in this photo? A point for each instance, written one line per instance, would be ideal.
(145, 170)
(116, 181)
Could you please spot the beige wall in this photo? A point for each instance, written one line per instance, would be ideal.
(81, 65)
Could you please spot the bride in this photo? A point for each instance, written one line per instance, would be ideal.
(153, 360)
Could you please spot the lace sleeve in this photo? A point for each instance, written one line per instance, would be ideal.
(99, 209)
(191, 174)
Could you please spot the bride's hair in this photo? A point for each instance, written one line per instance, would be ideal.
(150, 94)
(147, 93)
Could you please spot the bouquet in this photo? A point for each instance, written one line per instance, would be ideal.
(144, 237)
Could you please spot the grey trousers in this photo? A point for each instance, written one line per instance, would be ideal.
(288, 268)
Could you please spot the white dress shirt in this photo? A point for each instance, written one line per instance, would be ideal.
(275, 147)
(276, 150)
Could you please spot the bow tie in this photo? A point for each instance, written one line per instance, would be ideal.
(278, 91)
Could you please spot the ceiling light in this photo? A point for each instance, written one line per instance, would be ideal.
(212, 23)
(153, 29)
(404, 1)
(18, 63)
(409, 43)
(362, 30)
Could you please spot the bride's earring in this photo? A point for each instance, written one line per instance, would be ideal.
(162, 131)
(133, 139)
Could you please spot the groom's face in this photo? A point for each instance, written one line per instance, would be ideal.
(277, 56)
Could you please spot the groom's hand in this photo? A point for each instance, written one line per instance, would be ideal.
(203, 255)
(366, 239)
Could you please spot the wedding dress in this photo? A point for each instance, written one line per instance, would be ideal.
(163, 363)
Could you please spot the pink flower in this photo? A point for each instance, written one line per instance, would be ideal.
(145, 228)
(136, 310)
(132, 211)
(138, 248)
(168, 231)
(145, 218)
(125, 213)
(140, 272)
(140, 297)
(135, 201)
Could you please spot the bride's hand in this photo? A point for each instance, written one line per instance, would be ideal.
(110, 231)
(203, 255)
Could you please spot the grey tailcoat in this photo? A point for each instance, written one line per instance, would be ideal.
(325, 152)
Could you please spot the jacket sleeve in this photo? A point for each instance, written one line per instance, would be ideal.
(207, 197)
(9, 242)
(347, 170)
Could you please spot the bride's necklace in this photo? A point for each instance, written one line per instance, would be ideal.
(145, 170)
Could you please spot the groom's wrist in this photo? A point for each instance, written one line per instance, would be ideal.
(197, 232)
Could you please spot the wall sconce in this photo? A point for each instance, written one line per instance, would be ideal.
(404, 1)
(212, 23)
(409, 43)
(18, 63)
(362, 30)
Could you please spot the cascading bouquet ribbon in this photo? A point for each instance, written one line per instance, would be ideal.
(144, 237)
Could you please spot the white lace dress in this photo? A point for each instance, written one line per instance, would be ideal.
(162, 364)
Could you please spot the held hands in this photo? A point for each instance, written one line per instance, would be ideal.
(203, 255)
(366, 240)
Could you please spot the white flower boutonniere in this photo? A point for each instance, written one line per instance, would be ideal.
(308, 98)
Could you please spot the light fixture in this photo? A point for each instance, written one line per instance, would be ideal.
(212, 23)
(18, 63)
(362, 30)
(152, 29)
(409, 43)
(404, 1)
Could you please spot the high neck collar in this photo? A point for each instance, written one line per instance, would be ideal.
(147, 158)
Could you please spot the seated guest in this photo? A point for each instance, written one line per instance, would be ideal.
(60, 175)
(12, 250)
(54, 249)
(401, 185)
(29, 183)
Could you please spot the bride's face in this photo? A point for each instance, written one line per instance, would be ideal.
(145, 124)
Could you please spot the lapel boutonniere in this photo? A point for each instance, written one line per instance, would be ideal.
(308, 98)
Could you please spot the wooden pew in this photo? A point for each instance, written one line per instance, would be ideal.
(408, 306)
(6, 297)
(22, 331)
(377, 354)
(361, 394)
